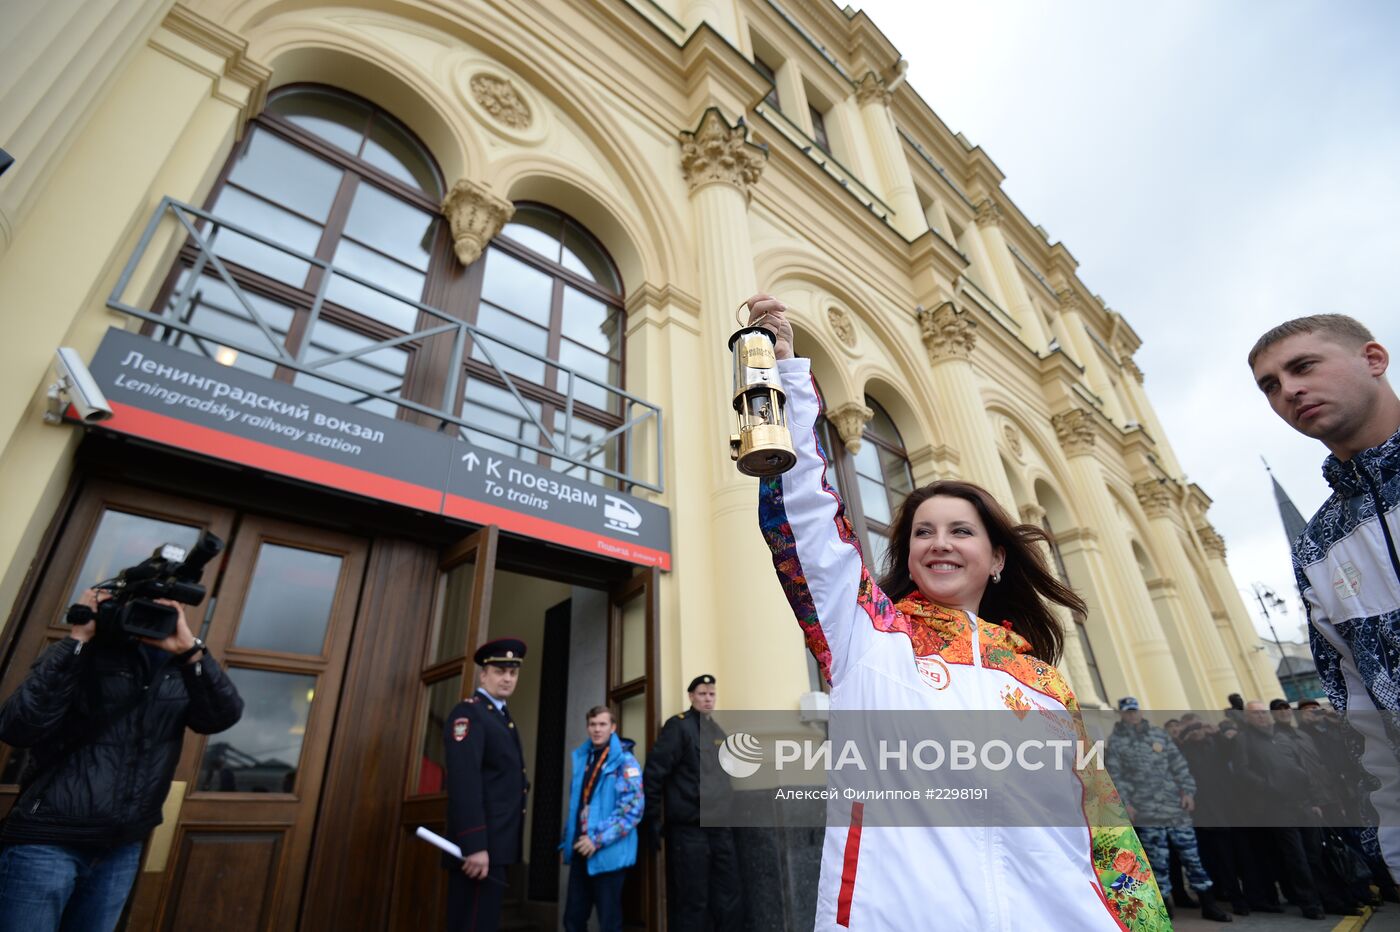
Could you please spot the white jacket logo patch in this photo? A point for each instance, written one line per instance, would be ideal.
(1347, 581)
(933, 671)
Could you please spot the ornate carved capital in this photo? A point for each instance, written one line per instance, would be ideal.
(947, 334)
(1075, 430)
(1155, 497)
(476, 216)
(1211, 541)
(870, 88)
(718, 152)
(1033, 514)
(1131, 367)
(849, 420)
(1069, 299)
(842, 326)
(988, 213)
(498, 97)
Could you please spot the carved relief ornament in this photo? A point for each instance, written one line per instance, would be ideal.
(1075, 430)
(718, 152)
(842, 326)
(1013, 440)
(1155, 497)
(849, 420)
(988, 213)
(1211, 541)
(1130, 366)
(870, 89)
(498, 97)
(1032, 513)
(947, 334)
(475, 215)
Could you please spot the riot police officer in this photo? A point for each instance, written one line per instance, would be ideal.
(702, 867)
(486, 790)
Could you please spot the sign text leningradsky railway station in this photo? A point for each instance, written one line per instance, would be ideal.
(190, 402)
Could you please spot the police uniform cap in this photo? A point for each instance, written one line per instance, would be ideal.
(1276, 704)
(704, 679)
(1127, 704)
(502, 652)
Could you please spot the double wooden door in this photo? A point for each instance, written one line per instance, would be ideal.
(232, 852)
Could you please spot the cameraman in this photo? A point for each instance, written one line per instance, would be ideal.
(105, 715)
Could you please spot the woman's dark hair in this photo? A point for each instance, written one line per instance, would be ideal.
(1026, 583)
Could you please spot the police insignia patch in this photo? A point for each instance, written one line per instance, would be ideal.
(459, 729)
(631, 773)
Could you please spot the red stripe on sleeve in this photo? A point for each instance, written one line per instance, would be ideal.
(848, 870)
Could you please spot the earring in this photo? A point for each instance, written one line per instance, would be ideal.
(996, 577)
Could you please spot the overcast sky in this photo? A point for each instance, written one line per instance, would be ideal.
(1216, 166)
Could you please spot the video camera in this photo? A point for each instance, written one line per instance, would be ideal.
(169, 573)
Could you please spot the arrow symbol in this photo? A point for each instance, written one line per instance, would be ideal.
(471, 460)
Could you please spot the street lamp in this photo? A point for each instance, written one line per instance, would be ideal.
(1268, 599)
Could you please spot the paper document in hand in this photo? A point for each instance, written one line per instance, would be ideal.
(437, 841)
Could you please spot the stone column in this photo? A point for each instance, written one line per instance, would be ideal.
(1256, 672)
(1074, 664)
(1087, 354)
(1147, 415)
(1210, 676)
(1018, 300)
(896, 180)
(720, 166)
(1125, 599)
(949, 338)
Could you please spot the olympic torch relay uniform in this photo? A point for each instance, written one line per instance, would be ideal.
(919, 656)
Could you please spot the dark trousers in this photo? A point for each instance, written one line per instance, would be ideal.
(602, 890)
(475, 905)
(1224, 854)
(702, 879)
(1283, 849)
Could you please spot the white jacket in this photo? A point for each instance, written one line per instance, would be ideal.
(989, 876)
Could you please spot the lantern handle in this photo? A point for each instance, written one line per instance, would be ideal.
(739, 317)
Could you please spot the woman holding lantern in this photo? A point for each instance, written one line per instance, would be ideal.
(918, 638)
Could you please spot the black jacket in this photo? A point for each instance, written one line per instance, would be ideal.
(1275, 782)
(486, 782)
(110, 789)
(1208, 755)
(685, 754)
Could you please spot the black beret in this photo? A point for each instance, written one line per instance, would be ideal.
(704, 679)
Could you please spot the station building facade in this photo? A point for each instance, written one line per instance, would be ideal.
(422, 308)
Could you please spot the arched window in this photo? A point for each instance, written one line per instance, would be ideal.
(873, 482)
(329, 175)
(321, 173)
(548, 287)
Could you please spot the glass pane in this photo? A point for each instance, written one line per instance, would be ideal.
(390, 149)
(394, 277)
(591, 322)
(833, 477)
(585, 435)
(339, 121)
(582, 255)
(288, 175)
(288, 605)
(537, 230)
(632, 723)
(213, 308)
(879, 546)
(600, 368)
(390, 225)
(634, 638)
(276, 224)
(381, 370)
(899, 481)
(124, 540)
(515, 286)
(867, 462)
(873, 500)
(453, 610)
(432, 765)
(488, 348)
(881, 425)
(495, 408)
(262, 752)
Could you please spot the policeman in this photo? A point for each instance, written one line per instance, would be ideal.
(486, 790)
(701, 865)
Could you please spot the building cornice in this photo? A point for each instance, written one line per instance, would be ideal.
(717, 75)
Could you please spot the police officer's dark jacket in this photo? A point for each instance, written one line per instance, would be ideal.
(686, 752)
(110, 788)
(486, 782)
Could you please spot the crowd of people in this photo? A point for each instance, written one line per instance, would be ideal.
(1259, 804)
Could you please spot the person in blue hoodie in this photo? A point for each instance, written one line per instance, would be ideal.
(600, 835)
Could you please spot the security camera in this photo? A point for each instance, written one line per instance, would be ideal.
(77, 386)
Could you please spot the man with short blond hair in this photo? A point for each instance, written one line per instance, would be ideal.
(1325, 375)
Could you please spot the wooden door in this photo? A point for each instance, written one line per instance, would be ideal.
(232, 853)
(448, 675)
(632, 668)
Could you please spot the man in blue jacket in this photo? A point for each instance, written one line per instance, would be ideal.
(1325, 375)
(600, 835)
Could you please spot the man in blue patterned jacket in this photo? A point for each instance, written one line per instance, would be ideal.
(1325, 376)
